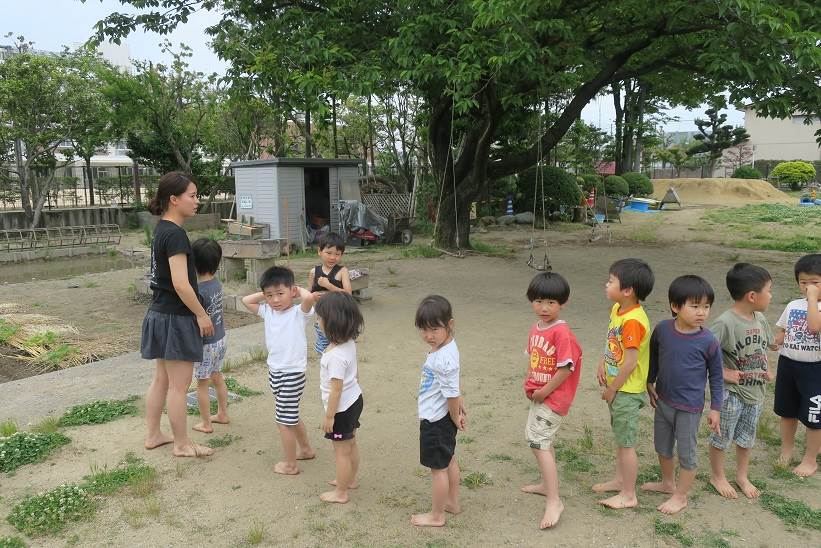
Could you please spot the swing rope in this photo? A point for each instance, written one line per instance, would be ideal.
(539, 185)
(448, 158)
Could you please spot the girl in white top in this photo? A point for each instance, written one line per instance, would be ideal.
(341, 321)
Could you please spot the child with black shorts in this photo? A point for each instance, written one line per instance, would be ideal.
(798, 379)
(341, 321)
(441, 411)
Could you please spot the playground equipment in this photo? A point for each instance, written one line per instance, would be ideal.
(33, 239)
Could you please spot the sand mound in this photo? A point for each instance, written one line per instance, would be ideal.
(728, 192)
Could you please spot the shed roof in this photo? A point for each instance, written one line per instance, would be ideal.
(298, 162)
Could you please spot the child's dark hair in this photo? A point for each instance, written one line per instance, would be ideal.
(341, 319)
(548, 285)
(745, 277)
(634, 274)
(207, 255)
(332, 239)
(276, 275)
(173, 183)
(808, 264)
(433, 311)
(690, 288)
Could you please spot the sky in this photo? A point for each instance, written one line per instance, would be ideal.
(50, 24)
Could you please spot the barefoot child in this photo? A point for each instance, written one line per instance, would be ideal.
(744, 335)
(623, 372)
(798, 379)
(287, 357)
(550, 385)
(341, 321)
(207, 256)
(328, 276)
(682, 355)
(441, 411)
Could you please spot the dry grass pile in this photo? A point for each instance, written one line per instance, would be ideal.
(723, 192)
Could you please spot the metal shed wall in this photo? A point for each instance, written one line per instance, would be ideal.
(258, 183)
(291, 194)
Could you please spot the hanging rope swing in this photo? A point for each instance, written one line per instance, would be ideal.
(539, 185)
(448, 158)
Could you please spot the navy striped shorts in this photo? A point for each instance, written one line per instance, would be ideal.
(287, 389)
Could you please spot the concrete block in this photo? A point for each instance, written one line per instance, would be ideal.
(364, 294)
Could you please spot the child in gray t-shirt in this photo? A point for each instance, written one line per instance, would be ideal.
(207, 257)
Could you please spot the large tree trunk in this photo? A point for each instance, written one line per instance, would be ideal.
(41, 200)
(639, 148)
(617, 139)
(89, 180)
(135, 181)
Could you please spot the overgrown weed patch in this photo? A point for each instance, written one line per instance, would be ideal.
(28, 447)
(99, 412)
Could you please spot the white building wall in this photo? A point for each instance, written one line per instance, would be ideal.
(259, 185)
(788, 139)
(291, 193)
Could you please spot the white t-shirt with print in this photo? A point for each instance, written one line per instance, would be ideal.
(285, 338)
(340, 363)
(800, 344)
(440, 381)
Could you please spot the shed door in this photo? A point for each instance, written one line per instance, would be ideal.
(290, 185)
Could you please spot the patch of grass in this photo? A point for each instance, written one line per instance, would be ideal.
(256, 533)
(648, 474)
(391, 270)
(392, 284)
(222, 441)
(420, 251)
(797, 244)
(672, 529)
(643, 234)
(48, 513)
(785, 473)
(586, 441)
(238, 389)
(572, 459)
(99, 412)
(765, 213)
(491, 250)
(28, 447)
(7, 330)
(7, 428)
(499, 457)
(148, 236)
(12, 542)
(767, 429)
(131, 472)
(465, 440)
(48, 425)
(476, 479)
(402, 501)
(195, 411)
(712, 539)
(791, 512)
(91, 284)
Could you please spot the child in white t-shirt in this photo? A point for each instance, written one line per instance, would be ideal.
(341, 322)
(441, 409)
(287, 357)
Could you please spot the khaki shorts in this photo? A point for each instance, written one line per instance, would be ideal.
(624, 417)
(542, 425)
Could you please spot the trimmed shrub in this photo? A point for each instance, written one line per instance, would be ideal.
(616, 186)
(796, 173)
(588, 181)
(746, 172)
(560, 190)
(638, 183)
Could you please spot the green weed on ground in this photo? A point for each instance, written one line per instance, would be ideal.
(798, 244)
(48, 513)
(222, 441)
(476, 479)
(28, 447)
(99, 412)
(792, 512)
(420, 251)
(491, 250)
(767, 429)
(648, 474)
(12, 542)
(132, 472)
(7, 428)
(572, 459)
(672, 529)
(238, 389)
(765, 213)
(7, 330)
(48, 425)
(713, 539)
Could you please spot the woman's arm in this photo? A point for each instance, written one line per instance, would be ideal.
(179, 278)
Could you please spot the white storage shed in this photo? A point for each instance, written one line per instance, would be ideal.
(288, 193)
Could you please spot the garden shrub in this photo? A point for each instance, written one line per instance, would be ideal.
(746, 172)
(616, 186)
(796, 173)
(560, 190)
(589, 181)
(638, 183)
(27, 447)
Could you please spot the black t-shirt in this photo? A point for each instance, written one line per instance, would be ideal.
(169, 240)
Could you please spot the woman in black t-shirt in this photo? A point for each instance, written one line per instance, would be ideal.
(176, 320)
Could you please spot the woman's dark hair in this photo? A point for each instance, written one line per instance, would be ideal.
(173, 183)
(207, 255)
(548, 285)
(690, 288)
(433, 311)
(341, 319)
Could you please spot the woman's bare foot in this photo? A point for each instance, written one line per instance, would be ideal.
(535, 489)
(618, 502)
(658, 487)
(805, 470)
(353, 485)
(612, 485)
(428, 520)
(159, 441)
(286, 469)
(193, 450)
(334, 496)
(673, 505)
(750, 491)
(305, 454)
(723, 487)
(220, 419)
(453, 508)
(202, 427)
(552, 513)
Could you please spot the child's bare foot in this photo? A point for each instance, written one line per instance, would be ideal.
(673, 505)
(723, 487)
(618, 502)
(158, 441)
(453, 508)
(805, 470)
(428, 520)
(305, 454)
(535, 489)
(658, 487)
(334, 496)
(354, 484)
(552, 513)
(612, 485)
(286, 469)
(193, 450)
(220, 419)
(750, 491)
(202, 427)
(785, 458)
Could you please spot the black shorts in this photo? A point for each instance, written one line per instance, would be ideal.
(798, 391)
(346, 422)
(437, 443)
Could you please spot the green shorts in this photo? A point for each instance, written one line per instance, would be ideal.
(624, 417)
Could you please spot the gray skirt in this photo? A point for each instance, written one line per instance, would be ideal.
(170, 337)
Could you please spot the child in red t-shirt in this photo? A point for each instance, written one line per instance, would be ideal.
(550, 385)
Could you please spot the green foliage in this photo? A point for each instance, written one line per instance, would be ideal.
(746, 172)
(572, 459)
(132, 471)
(28, 447)
(492, 250)
(420, 251)
(672, 529)
(795, 244)
(7, 330)
(796, 173)
(48, 425)
(475, 480)
(638, 183)
(99, 412)
(765, 213)
(48, 513)
(222, 441)
(589, 181)
(7, 428)
(615, 185)
(238, 389)
(791, 512)
(556, 187)
(715, 136)
(12, 542)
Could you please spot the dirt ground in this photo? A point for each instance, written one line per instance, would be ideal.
(218, 501)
